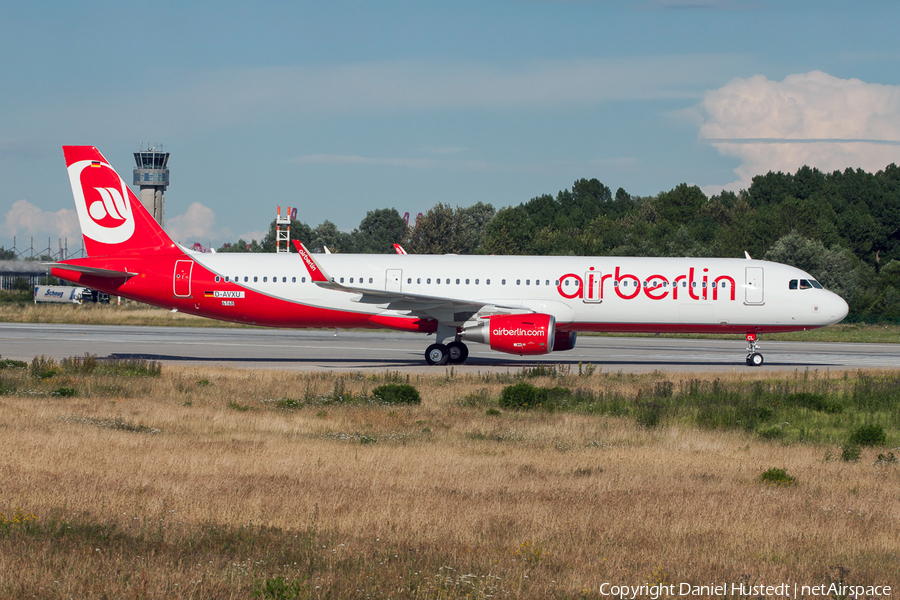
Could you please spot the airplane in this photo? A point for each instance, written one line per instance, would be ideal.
(523, 305)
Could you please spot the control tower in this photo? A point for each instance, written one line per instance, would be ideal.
(152, 175)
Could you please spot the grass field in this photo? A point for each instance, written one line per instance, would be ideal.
(124, 480)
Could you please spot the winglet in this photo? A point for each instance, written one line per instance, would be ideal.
(399, 249)
(747, 255)
(316, 274)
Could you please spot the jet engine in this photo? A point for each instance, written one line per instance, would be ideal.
(515, 334)
(565, 340)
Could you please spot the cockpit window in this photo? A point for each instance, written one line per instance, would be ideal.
(804, 284)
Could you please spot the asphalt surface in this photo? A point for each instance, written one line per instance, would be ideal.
(379, 350)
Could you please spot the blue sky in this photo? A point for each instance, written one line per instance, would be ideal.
(343, 107)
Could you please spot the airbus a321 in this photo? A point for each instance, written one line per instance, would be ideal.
(525, 305)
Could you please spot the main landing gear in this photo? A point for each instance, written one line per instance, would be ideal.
(754, 358)
(454, 353)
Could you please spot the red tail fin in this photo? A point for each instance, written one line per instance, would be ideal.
(113, 221)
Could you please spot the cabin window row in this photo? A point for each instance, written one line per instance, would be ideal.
(256, 279)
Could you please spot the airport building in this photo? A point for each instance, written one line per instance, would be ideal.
(152, 176)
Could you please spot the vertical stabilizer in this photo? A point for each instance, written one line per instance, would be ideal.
(113, 221)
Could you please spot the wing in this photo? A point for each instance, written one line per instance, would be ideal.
(440, 308)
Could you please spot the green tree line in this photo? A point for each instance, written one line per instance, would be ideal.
(842, 227)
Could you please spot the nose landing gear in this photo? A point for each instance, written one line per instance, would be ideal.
(754, 358)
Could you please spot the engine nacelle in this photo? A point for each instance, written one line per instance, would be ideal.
(565, 340)
(515, 334)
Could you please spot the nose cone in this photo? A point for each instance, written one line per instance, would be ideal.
(835, 309)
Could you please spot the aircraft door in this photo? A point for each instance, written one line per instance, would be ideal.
(754, 287)
(393, 280)
(591, 291)
(181, 281)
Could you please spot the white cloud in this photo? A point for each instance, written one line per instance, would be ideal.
(197, 224)
(25, 219)
(811, 119)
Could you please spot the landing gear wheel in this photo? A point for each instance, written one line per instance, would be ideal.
(437, 354)
(754, 360)
(458, 351)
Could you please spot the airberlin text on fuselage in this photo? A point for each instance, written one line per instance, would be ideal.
(694, 285)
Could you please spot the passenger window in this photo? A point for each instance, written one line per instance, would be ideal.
(704, 284)
(438, 281)
(419, 280)
(502, 282)
(351, 280)
(448, 281)
(557, 283)
(255, 279)
(303, 280)
(467, 282)
(370, 280)
(457, 282)
(293, 280)
(518, 282)
(476, 282)
(487, 282)
(217, 279)
(342, 280)
(428, 280)
(527, 282)
(409, 280)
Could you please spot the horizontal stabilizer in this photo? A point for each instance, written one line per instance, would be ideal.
(95, 271)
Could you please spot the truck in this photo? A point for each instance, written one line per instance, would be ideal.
(61, 293)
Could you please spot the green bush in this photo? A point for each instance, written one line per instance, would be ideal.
(818, 402)
(43, 367)
(9, 363)
(521, 395)
(778, 477)
(868, 435)
(397, 393)
(649, 414)
(850, 452)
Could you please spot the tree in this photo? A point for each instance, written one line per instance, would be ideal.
(511, 231)
(681, 204)
(443, 230)
(328, 235)
(379, 230)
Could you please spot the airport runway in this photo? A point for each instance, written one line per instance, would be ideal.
(380, 350)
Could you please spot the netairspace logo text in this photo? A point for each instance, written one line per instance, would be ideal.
(783, 590)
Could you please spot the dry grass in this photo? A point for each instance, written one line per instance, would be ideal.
(132, 313)
(195, 484)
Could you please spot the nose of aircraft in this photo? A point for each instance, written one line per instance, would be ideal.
(835, 308)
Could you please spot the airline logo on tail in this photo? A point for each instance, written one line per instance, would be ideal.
(101, 199)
